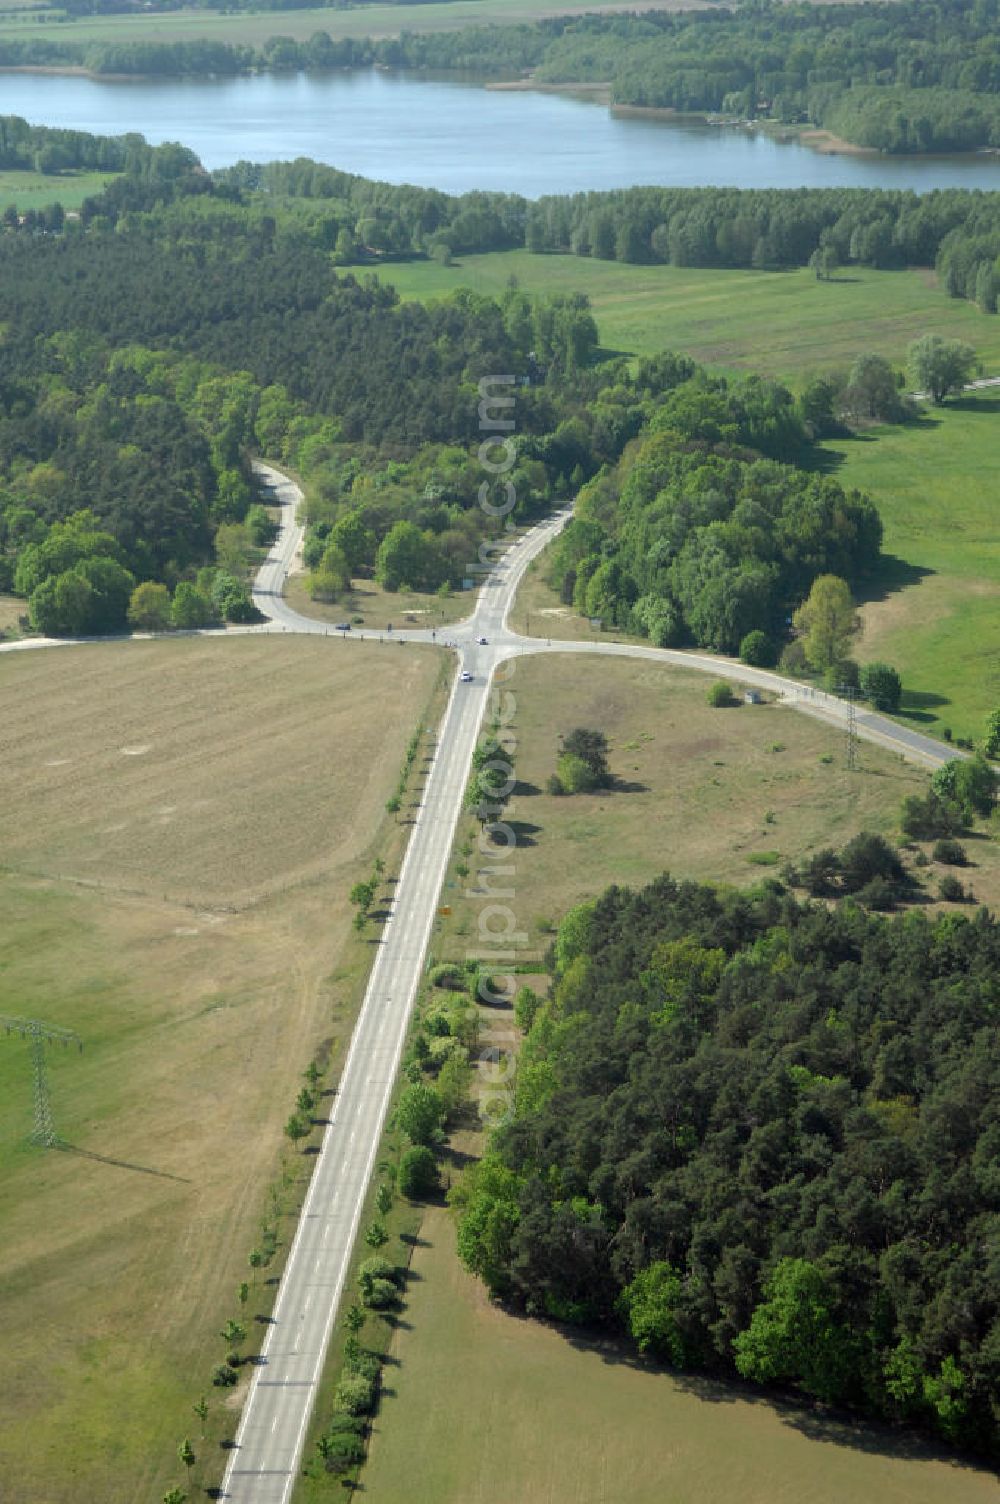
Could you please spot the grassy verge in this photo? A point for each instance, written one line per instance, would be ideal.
(175, 881)
(370, 608)
(783, 324)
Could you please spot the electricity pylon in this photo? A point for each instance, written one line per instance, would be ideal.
(40, 1034)
(849, 693)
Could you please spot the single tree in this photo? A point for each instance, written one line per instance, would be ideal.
(242, 1292)
(256, 1261)
(871, 391)
(383, 1199)
(354, 1318)
(297, 1127)
(174, 1496)
(827, 620)
(420, 1113)
(186, 1453)
(938, 366)
(591, 747)
(418, 1173)
(201, 1411)
(234, 1334)
(376, 1236)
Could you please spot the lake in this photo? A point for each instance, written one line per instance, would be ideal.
(456, 135)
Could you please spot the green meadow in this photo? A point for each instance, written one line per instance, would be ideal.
(33, 190)
(935, 613)
(784, 324)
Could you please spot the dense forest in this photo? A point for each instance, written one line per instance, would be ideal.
(919, 76)
(142, 366)
(181, 324)
(361, 222)
(760, 1137)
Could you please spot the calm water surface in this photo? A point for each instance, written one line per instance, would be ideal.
(455, 136)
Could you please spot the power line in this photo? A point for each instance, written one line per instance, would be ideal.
(40, 1034)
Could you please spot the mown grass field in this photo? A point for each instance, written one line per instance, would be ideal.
(183, 824)
(783, 324)
(364, 21)
(936, 611)
(482, 1407)
(717, 795)
(486, 1408)
(33, 190)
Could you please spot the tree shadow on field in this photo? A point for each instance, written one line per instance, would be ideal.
(819, 1422)
(626, 786)
(972, 404)
(893, 574)
(122, 1164)
(815, 1421)
(524, 833)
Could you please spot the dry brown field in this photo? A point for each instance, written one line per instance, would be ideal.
(183, 821)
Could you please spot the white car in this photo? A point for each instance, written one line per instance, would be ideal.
(465, 676)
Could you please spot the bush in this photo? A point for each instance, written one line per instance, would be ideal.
(449, 974)
(757, 650)
(879, 894)
(720, 694)
(841, 676)
(926, 817)
(418, 1173)
(951, 853)
(866, 858)
(976, 787)
(224, 1377)
(149, 607)
(882, 686)
(793, 658)
(376, 1271)
(575, 776)
(354, 1395)
(553, 784)
(382, 1293)
(341, 1450)
(951, 889)
(191, 608)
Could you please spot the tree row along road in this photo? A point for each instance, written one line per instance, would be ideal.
(264, 1462)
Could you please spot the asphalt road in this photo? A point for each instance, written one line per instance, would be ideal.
(264, 1462)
